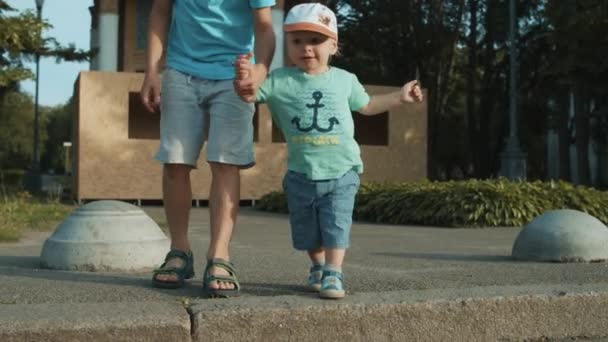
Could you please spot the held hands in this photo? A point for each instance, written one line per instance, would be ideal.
(246, 80)
(411, 92)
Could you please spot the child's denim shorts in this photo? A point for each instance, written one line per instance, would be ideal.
(194, 110)
(320, 212)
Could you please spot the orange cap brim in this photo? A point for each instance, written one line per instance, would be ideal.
(310, 27)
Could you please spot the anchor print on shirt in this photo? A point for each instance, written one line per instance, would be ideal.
(317, 96)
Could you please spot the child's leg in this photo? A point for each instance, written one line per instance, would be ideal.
(334, 258)
(335, 220)
(305, 233)
(332, 286)
(317, 257)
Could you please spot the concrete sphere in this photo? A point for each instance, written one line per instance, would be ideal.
(562, 236)
(105, 236)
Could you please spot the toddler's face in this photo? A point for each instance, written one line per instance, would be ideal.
(310, 51)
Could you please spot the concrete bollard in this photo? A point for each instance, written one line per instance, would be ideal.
(563, 235)
(105, 236)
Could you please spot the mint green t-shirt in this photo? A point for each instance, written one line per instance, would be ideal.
(314, 114)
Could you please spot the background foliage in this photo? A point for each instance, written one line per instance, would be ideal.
(461, 49)
(21, 40)
(473, 203)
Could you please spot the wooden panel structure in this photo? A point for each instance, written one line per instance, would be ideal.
(113, 151)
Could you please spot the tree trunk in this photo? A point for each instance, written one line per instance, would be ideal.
(487, 97)
(443, 63)
(581, 120)
(564, 135)
(471, 118)
(434, 98)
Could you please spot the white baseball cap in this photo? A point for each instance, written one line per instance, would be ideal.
(312, 17)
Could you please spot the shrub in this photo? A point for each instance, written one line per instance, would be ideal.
(472, 203)
(274, 202)
(11, 181)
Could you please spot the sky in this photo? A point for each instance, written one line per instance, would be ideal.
(71, 23)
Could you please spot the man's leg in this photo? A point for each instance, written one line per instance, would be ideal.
(224, 200)
(177, 197)
(229, 148)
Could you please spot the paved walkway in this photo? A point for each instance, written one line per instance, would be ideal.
(404, 283)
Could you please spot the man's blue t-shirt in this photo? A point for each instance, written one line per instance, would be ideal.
(207, 35)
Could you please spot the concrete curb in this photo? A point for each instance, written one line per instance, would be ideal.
(369, 318)
(501, 313)
(145, 321)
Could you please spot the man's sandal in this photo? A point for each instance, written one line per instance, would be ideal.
(230, 278)
(181, 273)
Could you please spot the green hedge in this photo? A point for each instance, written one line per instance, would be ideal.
(472, 203)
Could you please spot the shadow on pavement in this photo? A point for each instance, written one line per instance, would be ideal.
(28, 267)
(273, 289)
(451, 256)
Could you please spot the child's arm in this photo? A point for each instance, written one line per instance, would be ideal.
(409, 93)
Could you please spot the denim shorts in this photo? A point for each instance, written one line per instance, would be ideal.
(195, 110)
(320, 212)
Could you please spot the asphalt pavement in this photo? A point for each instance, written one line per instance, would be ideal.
(404, 283)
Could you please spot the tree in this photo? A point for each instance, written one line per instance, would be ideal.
(578, 66)
(385, 42)
(472, 122)
(462, 52)
(16, 130)
(58, 123)
(21, 39)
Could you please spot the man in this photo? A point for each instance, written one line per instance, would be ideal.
(202, 39)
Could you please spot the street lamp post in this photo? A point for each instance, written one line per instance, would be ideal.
(67, 145)
(33, 181)
(513, 160)
(36, 161)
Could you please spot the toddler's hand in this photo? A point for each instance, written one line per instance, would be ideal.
(411, 92)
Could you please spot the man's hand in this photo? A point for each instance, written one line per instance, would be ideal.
(248, 77)
(411, 92)
(150, 92)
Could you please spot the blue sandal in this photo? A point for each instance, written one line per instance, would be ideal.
(314, 278)
(182, 273)
(332, 285)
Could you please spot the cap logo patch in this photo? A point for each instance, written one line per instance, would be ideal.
(325, 20)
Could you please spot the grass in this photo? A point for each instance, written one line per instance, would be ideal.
(21, 212)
